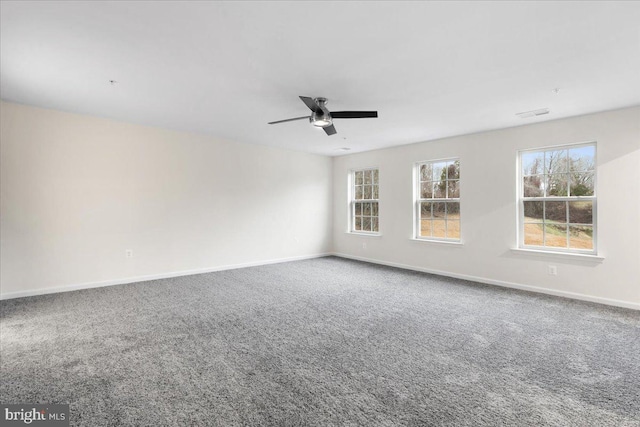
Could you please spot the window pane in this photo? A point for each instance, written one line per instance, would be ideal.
(582, 158)
(453, 229)
(367, 177)
(533, 186)
(425, 210)
(555, 162)
(581, 212)
(425, 228)
(366, 224)
(438, 228)
(358, 223)
(453, 210)
(439, 171)
(533, 234)
(453, 189)
(555, 235)
(532, 163)
(440, 189)
(533, 211)
(426, 172)
(426, 190)
(375, 176)
(581, 237)
(359, 178)
(557, 185)
(358, 192)
(358, 209)
(374, 208)
(453, 170)
(555, 212)
(366, 209)
(374, 224)
(367, 192)
(582, 184)
(439, 209)
(375, 194)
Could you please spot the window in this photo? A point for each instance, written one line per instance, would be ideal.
(364, 201)
(438, 200)
(557, 203)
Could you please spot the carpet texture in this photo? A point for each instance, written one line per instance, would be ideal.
(323, 342)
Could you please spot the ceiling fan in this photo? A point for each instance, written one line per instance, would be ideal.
(323, 118)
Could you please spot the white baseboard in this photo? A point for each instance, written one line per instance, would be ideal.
(75, 287)
(572, 295)
(123, 281)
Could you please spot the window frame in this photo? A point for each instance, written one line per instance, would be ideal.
(521, 199)
(353, 201)
(418, 200)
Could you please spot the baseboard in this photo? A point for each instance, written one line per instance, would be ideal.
(89, 285)
(564, 294)
(75, 287)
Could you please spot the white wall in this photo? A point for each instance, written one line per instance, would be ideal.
(488, 209)
(77, 191)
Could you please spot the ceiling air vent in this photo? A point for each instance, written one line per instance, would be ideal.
(533, 113)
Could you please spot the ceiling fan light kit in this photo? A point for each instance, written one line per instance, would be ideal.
(321, 117)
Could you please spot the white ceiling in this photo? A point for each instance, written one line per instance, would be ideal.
(431, 69)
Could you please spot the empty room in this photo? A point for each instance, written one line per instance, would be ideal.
(319, 213)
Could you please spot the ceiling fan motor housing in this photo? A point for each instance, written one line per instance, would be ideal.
(321, 118)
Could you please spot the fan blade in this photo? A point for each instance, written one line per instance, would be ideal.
(330, 130)
(310, 103)
(288, 120)
(354, 114)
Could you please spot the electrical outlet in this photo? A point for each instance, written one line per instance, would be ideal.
(553, 270)
(364, 246)
(128, 253)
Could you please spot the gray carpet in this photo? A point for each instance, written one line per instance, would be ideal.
(319, 343)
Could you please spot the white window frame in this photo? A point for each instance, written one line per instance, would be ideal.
(418, 200)
(353, 201)
(521, 199)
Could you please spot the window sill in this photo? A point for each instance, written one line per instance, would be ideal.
(439, 242)
(565, 255)
(355, 233)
